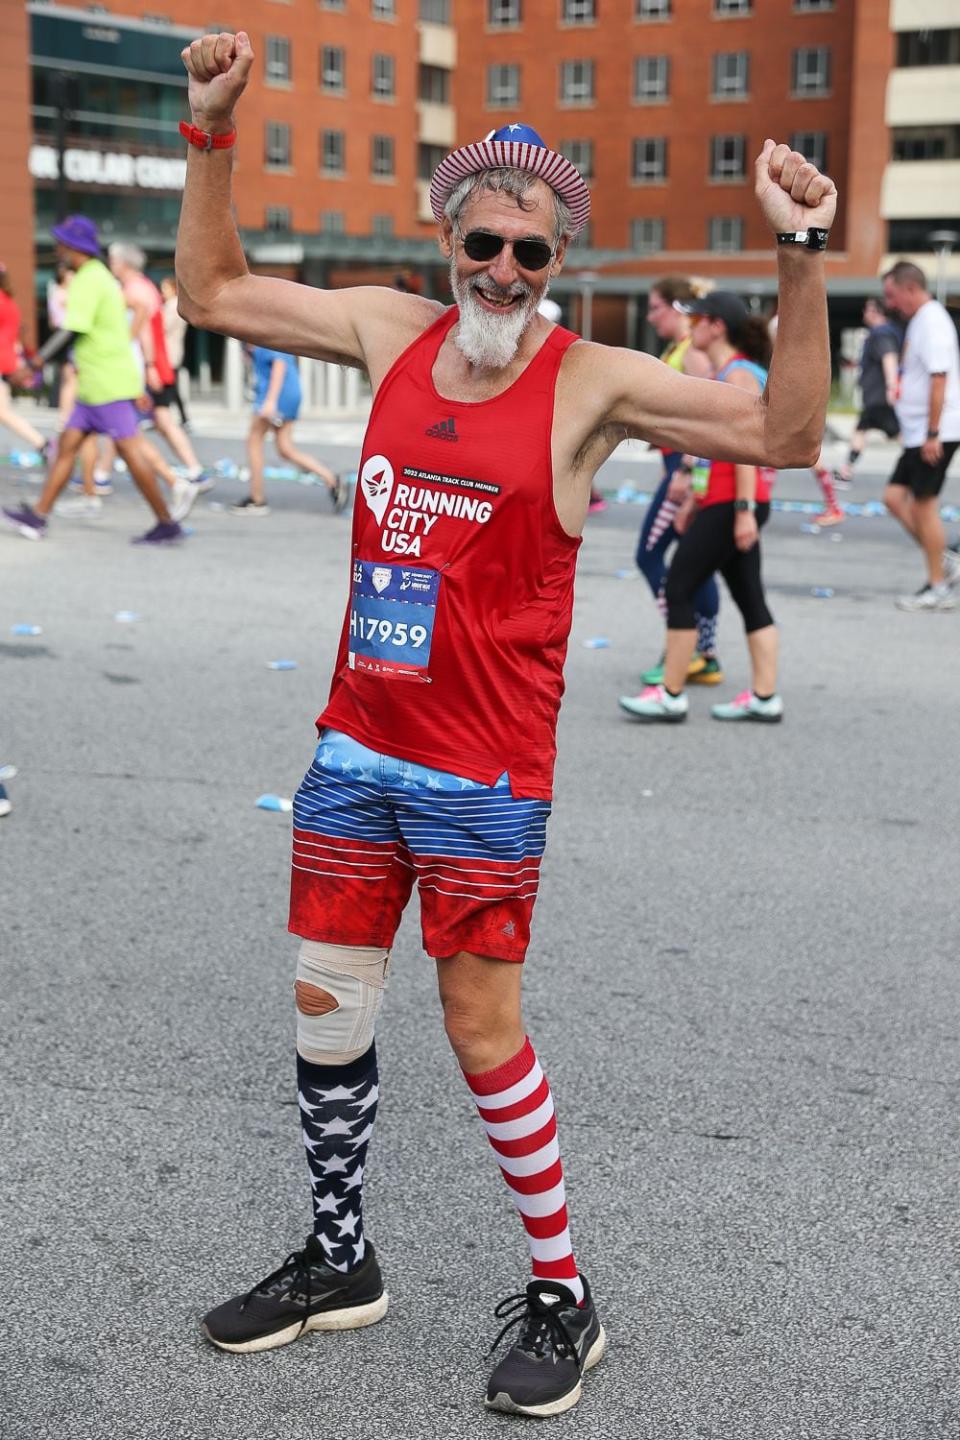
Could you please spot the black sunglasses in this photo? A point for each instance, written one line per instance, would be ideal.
(529, 254)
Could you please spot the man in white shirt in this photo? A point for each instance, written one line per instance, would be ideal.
(928, 408)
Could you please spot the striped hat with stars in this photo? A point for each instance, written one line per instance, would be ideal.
(513, 147)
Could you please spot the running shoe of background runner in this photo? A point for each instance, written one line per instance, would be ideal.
(83, 507)
(340, 495)
(748, 707)
(165, 532)
(841, 481)
(597, 502)
(655, 703)
(832, 516)
(250, 507)
(204, 481)
(702, 670)
(951, 565)
(931, 597)
(303, 1294)
(5, 806)
(558, 1341)
(25, 522)
(182, 499)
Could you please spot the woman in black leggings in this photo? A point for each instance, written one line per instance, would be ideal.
(731, 505)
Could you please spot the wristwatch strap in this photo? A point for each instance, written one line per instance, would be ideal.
(745, 505)
(806, 239)
(203, 140)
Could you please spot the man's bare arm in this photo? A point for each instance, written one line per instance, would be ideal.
(784, 426)
(364, 326)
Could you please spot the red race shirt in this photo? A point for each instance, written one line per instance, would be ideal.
(9, 334)
(461, 592)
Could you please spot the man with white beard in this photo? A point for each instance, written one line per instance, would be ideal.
(437, 744)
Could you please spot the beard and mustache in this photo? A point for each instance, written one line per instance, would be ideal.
(485, 339)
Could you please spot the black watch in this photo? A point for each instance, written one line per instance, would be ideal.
(933, 434)
(806, 239)
(741, 505)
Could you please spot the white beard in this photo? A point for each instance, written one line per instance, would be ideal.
(486, 340)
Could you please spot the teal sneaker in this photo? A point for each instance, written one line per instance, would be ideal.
(748, 707)
(654, 676)
(655, 703)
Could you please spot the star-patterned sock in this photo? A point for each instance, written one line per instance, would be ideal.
(338, 1105)
(516, 1108)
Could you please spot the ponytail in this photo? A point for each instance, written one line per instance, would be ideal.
(754, 340)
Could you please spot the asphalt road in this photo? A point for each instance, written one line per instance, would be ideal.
(743, 986)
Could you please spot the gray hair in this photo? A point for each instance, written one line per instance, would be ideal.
(126, 254)
(515, 183)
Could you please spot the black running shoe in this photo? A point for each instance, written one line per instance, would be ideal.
(340, 495)
(558, 1341)
(304, 1294)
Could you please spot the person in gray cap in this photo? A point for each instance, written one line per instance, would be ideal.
(438, 741)
(108, 384)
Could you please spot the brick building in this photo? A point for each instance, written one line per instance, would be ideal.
(662, 103)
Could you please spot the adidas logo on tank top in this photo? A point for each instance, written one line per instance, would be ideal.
(443, 430)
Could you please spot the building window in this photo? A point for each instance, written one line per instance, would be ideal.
(576, 82)
(434, 12)
(649, 161)
(276, 218)
(381, 156)
(911, 235)
(277, 71)
(580, 155)
(333, 152)
(503, 14)
(809, 7)
(651, 78)
(383, 84)
(332, 222)
(811, 70)
(503, 85)
(731, 75)
(277, 145)
(333, 4)
(725, 233)
(928, 47)
(333, 69)
(383, 9)
(433, 84)
(723, 8)
(428, 158)
(926, 142)
(653, 9)
(647, 236)
(578, 12)
(381, 226)
(812, 145)
(726, 157)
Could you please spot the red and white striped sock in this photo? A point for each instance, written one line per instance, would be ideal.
(825, 481)
(516, 1108)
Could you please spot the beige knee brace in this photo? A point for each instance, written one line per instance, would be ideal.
(339, 992)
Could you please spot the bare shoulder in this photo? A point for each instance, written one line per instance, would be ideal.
(386, 322)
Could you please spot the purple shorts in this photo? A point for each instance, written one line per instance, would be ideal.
(120, 420)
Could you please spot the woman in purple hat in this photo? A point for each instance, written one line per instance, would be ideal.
(108, 383)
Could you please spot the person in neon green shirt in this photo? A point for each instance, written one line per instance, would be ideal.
(108, 383)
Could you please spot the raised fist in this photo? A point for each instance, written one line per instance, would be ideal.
(218, 67)
(793, 195)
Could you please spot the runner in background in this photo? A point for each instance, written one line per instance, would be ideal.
(832, 512)
(175, 333)
(732, 505)
(11, 362)
(879, 382)
(276, 405)
(658, 532)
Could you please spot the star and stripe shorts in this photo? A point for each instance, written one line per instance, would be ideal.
(367, 826)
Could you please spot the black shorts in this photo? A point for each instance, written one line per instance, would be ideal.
(879, 417)
(165, 396)
(923, 480)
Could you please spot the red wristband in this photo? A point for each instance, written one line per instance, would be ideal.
(205, 141)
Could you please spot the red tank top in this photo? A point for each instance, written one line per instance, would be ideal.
(461, 591)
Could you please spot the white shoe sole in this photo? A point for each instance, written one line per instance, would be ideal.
(353, 1317)
(554, 1407)
(664, 718)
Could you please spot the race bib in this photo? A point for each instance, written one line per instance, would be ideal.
(392, 613)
